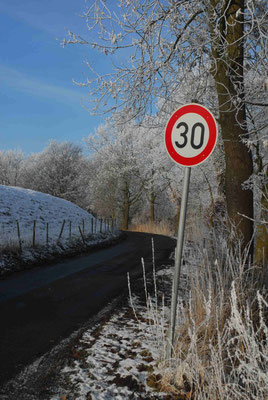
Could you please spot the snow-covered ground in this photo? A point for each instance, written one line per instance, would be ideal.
(34, 225)
(119, 356)
(116, 358)
(124, 357)
(116, 361)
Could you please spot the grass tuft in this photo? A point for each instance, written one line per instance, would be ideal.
(221, 337)
(160, 228)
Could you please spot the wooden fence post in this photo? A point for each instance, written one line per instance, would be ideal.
(81, 233)
(34, 228)
(47, 235)
(61, 231)
(101, 225)
(18, 231)
(91, 224)
(95, 225)
(70, 230)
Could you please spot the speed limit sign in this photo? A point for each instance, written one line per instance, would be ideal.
(191, 135)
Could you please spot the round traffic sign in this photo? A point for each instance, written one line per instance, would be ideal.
(191, 135)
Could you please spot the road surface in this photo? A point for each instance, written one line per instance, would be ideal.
(41, 307)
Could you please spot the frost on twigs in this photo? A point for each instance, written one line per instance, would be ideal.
(221, 349)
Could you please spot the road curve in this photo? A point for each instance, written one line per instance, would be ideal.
(39, 308)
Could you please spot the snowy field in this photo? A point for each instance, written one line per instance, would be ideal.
(34, 223)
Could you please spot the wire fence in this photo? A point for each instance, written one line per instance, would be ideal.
(38, 232)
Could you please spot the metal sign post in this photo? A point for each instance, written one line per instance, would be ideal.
(190, 138)
(178, 257)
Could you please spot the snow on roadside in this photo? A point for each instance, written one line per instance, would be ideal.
(21, 207)
(115, 358)
(118, 360)
(123, 357)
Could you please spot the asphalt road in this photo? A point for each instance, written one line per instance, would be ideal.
(41, 307)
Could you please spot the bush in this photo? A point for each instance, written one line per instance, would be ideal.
(221, 340)
(220, 349)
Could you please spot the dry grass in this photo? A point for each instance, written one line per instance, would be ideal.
(221, 362)
(160, 228)
(221, 343)
(221, 340)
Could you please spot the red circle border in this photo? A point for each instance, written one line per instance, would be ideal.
(206, 114)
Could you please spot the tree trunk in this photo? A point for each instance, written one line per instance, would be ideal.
(126, 207)
(178, 211)
(152, 207)
(211, 212)
(261, 250)
(239, 201)
(228, 54)
(126, 215)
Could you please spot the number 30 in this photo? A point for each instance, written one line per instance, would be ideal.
(185, 138)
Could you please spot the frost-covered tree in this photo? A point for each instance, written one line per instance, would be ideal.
(103, 189)
(116, 156)
(60, 170)
(156, 44)
(153, 165)
(11, 165)
(132, 173)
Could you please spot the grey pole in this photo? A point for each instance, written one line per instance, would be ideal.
(177, 268)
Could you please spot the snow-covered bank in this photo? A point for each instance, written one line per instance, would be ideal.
(36, 227)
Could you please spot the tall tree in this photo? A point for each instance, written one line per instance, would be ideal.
(153, 165)
(116, 156)
(227, 30)
(59, 170)
(11, 165)
(164, 42)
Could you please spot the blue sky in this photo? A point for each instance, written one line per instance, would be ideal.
(38, 100)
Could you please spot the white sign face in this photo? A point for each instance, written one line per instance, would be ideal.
(191, 135)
